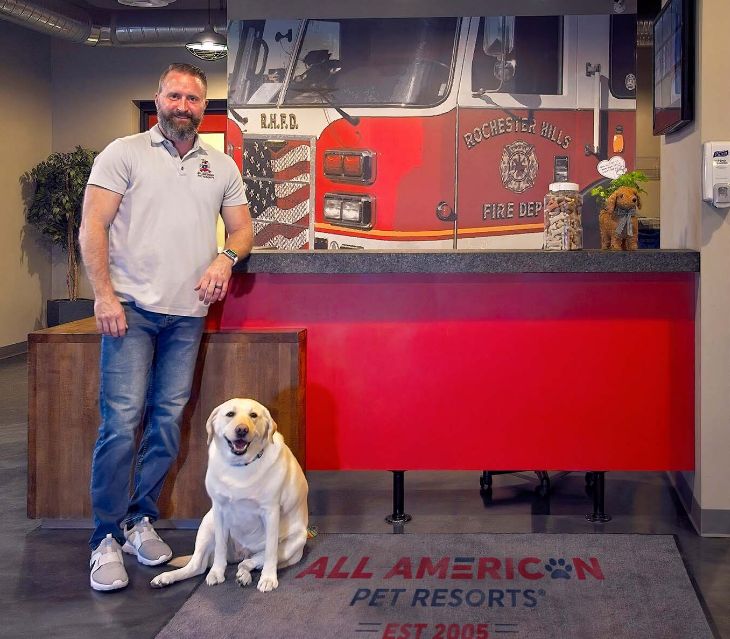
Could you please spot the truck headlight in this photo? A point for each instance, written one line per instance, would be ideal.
(349, 210)
(332, 208)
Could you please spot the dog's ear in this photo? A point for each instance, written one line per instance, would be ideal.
(209, 423)
(271, 426)
(638, 201)
(611, 202)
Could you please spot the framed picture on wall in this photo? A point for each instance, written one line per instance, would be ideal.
(674, 66)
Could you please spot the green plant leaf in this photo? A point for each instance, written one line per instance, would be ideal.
(631, 179)
(59, 182)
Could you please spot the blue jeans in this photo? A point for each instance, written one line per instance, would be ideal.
(147, 374)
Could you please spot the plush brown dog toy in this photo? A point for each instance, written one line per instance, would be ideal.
(618, 222)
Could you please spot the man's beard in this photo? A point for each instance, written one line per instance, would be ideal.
(178, 131)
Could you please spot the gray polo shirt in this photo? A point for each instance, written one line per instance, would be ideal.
(164, 234)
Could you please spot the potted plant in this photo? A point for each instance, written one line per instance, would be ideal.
(55, 211)
(631, 179)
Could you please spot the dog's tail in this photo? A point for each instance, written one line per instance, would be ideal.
(179, 562)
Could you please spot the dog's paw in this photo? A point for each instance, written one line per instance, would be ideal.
(247, 564)
(162, 580)
(267, 582)
(243, 577)
(215, 576)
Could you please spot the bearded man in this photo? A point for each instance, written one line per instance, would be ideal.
(148, 241)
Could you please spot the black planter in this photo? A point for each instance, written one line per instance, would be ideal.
(62, 311)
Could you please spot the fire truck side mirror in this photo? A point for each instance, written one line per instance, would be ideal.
(283, 36)
(499, 36)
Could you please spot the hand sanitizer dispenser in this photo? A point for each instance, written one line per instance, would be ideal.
(716, 173)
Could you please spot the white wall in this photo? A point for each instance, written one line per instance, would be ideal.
(714, 105)
(25, 86)
(93, 89)
(688, 222)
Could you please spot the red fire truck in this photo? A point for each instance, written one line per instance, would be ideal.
(425, 132)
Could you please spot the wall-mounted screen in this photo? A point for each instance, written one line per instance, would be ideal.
(673, 67)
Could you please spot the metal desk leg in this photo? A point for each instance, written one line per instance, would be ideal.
(599, 489)
(398, 516)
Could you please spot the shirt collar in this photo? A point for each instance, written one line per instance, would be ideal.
(156, 137)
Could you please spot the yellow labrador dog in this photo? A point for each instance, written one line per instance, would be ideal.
(259, 496)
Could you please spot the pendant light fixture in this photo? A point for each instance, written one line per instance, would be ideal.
(208, 45)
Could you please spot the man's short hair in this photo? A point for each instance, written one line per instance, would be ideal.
(184, 67)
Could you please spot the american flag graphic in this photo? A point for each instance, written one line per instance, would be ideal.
(278, 179)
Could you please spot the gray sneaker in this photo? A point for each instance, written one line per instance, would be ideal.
(145, 543)
(107, 566)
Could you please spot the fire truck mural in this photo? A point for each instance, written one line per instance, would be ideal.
(406, 133)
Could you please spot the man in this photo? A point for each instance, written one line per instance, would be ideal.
(148, 240)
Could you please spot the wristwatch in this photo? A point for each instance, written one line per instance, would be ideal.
(230, 253)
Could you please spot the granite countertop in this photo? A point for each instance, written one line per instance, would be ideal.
(470, 261)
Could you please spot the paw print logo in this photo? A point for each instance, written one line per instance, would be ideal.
(558, 569)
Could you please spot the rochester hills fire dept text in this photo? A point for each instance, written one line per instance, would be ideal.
(502, 126)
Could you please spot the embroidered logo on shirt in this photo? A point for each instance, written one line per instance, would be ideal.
(204, 170)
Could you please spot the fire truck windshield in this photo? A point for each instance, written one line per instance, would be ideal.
(349, 62)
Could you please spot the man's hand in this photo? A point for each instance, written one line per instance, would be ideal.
(213, 286)
(110, 317)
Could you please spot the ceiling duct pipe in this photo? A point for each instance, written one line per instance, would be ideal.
(161, 28)
(54, 19)
(152, 28)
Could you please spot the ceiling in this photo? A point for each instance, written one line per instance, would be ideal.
(107, 22)
(114, 6)
(357, 8)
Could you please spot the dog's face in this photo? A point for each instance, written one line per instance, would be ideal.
(242, 428)
(625, 198)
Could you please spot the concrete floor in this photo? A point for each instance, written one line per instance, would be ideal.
(44, 589)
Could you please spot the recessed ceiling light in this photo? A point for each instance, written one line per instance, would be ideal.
(148, 4)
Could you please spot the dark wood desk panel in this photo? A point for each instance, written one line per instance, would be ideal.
(63, 411)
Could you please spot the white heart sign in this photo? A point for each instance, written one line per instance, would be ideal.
(612, 168)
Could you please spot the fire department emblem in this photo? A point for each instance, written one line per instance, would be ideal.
(204, 170)
(518, 166)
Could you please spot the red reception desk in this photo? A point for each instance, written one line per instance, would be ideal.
(485, 360)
